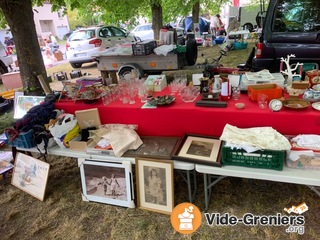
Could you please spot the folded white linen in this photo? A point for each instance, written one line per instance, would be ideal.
(257, 138)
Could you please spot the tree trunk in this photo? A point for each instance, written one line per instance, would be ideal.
(19, 15)
(195, 12)
(156, 9)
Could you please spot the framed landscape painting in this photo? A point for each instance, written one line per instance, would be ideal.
(155, 185)
(107, 182)
(199, 149)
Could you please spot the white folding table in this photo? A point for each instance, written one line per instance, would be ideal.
(311, 178)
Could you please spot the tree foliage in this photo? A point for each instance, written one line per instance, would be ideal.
(19, 17)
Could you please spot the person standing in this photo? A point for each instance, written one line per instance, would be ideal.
(9, 45)
(154, 188)
(113, 185)
(105, 184)
(215, 24)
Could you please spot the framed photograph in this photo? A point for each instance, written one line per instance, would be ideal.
(24, 104)
(155, 185)
(30, 175)
(107, 182)
(154, 147)
(199, 149)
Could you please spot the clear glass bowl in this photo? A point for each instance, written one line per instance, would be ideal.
(189, 94)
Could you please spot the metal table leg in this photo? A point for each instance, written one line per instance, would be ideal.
(188, 181)
(208, 184)
(315, 189)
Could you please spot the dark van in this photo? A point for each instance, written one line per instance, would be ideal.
(289, 27)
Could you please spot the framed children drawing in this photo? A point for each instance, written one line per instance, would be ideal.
(107, 182)
(199, 149)
(155, 185)
(30, 175)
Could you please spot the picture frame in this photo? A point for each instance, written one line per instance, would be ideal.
(88, 118)
(155, 188)
(107, 182)
(30, 175)
(199, 149)
(154, 147)
(24, 104)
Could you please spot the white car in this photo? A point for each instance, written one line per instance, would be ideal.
(84, 43)
(143, 32)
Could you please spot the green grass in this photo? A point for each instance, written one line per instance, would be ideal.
(64, 215)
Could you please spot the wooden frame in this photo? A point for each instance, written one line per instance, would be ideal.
(199, 149)
(154, 147)
(98, 185)
(25, 103)
(155, 185)
(30, 175)
(44, 85)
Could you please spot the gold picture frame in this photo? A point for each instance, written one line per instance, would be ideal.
(199, 149)
(155, 188)
(30, 175)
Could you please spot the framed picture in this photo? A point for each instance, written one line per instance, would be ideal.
(199, 149)
(155, 185)
(88, 118)
(30, 175)
(154, 147)
(24, 104)
(107, 182)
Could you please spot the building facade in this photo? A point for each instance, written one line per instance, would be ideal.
(48, 22)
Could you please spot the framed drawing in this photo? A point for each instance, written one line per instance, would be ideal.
(155, 185)
(30, 175)
(24, 104)
(154, 147)
(107, 182)
(199, 149)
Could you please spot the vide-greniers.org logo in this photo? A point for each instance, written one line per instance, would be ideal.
(295, 222)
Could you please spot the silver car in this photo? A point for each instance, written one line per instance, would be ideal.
(84, 43)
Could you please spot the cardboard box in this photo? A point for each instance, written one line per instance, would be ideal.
(88, 118)
(156, 82)
(78, 145)
(92, 150)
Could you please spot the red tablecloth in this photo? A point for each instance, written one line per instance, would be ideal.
(179, 118)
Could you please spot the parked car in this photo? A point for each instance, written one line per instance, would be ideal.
(143, 32)
(289, 27)
(84, 43)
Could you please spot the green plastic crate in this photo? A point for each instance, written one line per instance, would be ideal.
(268, 159)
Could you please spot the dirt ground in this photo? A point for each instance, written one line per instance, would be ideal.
(64, 215)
